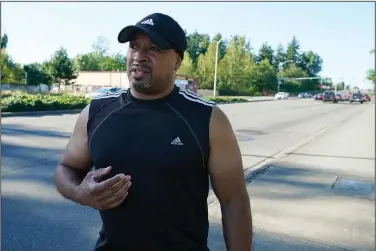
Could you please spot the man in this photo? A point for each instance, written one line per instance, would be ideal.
(154, 148)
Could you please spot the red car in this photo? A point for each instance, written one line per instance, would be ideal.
(365, 97)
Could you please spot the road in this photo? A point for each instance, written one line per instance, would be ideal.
(299, 147)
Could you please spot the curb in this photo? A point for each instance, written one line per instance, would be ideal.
(253, 172)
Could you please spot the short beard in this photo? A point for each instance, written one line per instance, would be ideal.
(140, 85)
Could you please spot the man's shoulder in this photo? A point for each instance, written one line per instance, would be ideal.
(105, 100)
(109, 96)
(193, 99)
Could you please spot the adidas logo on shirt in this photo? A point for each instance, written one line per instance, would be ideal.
(177, 141)
(148, 21)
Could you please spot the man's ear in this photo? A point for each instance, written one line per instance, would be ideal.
(178, 62)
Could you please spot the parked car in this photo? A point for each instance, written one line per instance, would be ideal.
(305, 95)
(329, 97)
(357, 98)
(346, 97)
(366, 98)
(102, 91)
(318, 96)
(281, 95)
(339, 97)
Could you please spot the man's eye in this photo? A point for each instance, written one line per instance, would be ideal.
(154, 48)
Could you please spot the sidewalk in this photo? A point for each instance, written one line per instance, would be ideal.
(317, 198)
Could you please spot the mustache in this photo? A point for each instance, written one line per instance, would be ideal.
(141, 67)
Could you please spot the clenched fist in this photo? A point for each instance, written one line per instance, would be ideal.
(106, 194)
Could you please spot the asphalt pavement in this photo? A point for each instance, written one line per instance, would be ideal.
(304, 153)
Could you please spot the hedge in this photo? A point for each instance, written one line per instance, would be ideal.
(43, 102)
(221, 100)
(23, 103)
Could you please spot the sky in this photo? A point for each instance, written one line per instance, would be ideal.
(342, 33)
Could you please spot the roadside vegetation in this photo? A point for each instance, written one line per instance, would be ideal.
(23, 102)
(241, 71)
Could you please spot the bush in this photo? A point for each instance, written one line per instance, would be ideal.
(49, 102)
(22, 103)
(222, 100)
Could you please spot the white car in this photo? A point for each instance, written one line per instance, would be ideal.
(102, 91)
(281, 95)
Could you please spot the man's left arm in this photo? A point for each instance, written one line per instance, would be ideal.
(227, 178)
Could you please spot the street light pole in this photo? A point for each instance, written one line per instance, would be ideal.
(215, 69)
(279, 72)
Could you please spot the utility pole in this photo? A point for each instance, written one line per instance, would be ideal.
(215, 69)
(279, 73)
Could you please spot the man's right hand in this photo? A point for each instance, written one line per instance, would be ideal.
(106, 194)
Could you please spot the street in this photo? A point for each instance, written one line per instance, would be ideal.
(312, 189)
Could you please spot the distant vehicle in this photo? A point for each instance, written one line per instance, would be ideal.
(346, 97)
(357, 98)
(329, 97)
(339, 97)
(102, 91)
(305, 95)
(318, 96)
(281, 95)
(366, 98)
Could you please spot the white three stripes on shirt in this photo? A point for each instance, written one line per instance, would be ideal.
(185, 93)
(195, 98)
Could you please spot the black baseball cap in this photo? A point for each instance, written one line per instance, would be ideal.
(162, 29)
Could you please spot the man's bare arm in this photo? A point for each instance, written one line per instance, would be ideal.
(76, 161)
(76, 182)
(227, 178)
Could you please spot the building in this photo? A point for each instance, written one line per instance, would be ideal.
(89, 81)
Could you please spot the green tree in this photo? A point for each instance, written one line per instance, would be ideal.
(205, 67)
(265, 52)
(293, 51)
(263, 77)
(62, 68)
(222, 45)
(4, 41)
(186, 67)
(87, 62)
(311, 63)
(116, 62)
(99, 59)
(11, 72)
(371, 75)
(279, 58)
(197, 44)
(36, 74)
(236, 67)
(291, 85)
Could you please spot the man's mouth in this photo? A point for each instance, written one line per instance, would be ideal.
(142, 69)
(139, 72)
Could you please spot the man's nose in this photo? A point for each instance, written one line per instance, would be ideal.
(140, 56)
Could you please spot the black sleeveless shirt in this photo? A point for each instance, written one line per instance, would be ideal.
(163, 145)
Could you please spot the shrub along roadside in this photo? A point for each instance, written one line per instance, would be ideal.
(25, 103)
(221, 100)
(40, 102)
